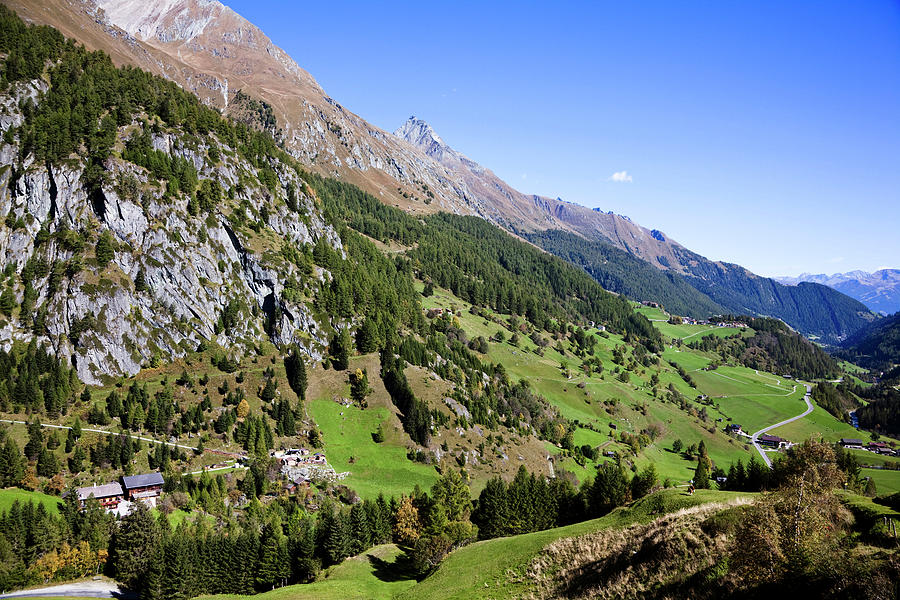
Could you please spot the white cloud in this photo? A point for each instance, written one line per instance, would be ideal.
(620, 177)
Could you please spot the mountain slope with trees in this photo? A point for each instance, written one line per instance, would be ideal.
(623, 273)
(877, 346)
(413, 169)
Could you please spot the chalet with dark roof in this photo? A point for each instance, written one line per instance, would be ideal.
(773, 441)
(146, 488)
(852, 443)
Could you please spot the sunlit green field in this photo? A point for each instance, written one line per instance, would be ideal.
(10, 495)
(375, 468)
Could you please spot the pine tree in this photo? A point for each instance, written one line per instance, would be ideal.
(492, 516)
(178, 578)
(140, 281)
(367, 336)
(134, 545)
(337, 538)
(701, 474)
(12, 469)
(268, 568)
(360, 530)
(7, 302)
(296, 373)
(268, 391)
(340, 350)
(76, 462)
(609, 490)
(105, 248)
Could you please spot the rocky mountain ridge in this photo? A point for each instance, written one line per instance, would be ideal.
(216, 54)
(880, 290)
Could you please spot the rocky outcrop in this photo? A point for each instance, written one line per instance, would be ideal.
(172, 274)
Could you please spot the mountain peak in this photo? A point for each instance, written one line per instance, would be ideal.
(419, 133)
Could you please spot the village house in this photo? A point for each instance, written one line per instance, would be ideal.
(773, 441)
(146, 488)
(879, 448)
(109, 495)
(733, 428)
(852, 443)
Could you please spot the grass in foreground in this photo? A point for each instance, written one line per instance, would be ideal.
(482, 570)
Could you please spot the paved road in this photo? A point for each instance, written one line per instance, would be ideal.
(81, 589)
(753, 438)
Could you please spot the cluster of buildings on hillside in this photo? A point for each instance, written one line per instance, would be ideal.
(301, 467)
(119, 496)
(876, 447)
(767, 440)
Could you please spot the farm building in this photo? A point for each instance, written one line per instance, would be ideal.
(852, 443)
(109, 495)
(773, 441)
(146, 488)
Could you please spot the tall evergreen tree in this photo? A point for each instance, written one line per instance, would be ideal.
(340, 349)
(295, 368)
(134, 545)
(701, 473)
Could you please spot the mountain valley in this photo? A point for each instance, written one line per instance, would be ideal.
(358, 364)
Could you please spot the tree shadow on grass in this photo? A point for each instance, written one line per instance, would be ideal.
(401, 569)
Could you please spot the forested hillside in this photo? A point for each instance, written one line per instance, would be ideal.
(877, 346)
(814, 310)
(775, 348)
(484, 265)
(623, 273)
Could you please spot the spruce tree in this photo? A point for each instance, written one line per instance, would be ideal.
(12, 468)
(105, 248)
(296, 373)
(492, 515)
(340, 350)
(134, 545)
(360, 530)
(701, 474)
(609, 490)
(337, 538)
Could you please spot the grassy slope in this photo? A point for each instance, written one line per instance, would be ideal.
(886, 482)
(347, 433)
(483, 570)
(369, 576)
(751, 398)
(10, 495)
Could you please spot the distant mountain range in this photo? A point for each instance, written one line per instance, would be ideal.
(215, 53)
(880, 290)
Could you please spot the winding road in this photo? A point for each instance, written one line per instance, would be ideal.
(755, 436)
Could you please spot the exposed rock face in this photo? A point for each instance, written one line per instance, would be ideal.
(191, 267)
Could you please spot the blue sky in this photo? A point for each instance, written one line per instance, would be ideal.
(757, 133)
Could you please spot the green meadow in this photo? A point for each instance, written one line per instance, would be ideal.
(375, 468)
(10, 495)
